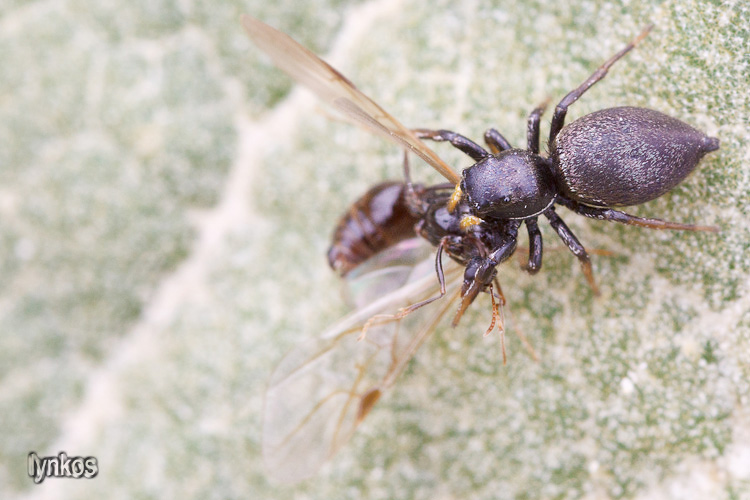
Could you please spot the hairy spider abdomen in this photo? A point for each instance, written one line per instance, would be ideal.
(625, 156)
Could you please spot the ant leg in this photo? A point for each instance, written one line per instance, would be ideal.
(573, 244)
(558, 119)
(631, 220)
(407, 172)
(532, 128)
(458, 141)
(413, 200)
(418, 197)
(535, 246)
(517, 328)
(500, 296)
(440, 276)
(497, 316)
(496, 141)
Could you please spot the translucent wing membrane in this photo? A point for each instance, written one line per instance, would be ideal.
(334, 88)
(385, 271)
(324, 388)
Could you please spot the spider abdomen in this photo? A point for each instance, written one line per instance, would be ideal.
(626, 156)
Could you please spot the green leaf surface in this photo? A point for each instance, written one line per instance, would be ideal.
(167, 199)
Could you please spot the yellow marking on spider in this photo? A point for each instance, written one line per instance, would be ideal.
(455, 198)
(467, 221)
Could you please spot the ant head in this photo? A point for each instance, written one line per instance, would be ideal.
(479, 273)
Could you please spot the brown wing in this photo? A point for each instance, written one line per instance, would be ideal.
(323, 389)
(334, 88)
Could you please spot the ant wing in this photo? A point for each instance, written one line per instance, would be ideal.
(334, 88)
(323, 389)
(385, 271)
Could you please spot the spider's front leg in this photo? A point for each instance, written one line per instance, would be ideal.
(457, 140)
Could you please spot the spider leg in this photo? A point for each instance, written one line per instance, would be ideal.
(609, 214)
(532, 129)
(457, 140)
(573, 244)
(558, 119)
(535, 246)
(496, 141)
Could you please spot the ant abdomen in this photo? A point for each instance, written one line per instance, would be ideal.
(377, 220)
